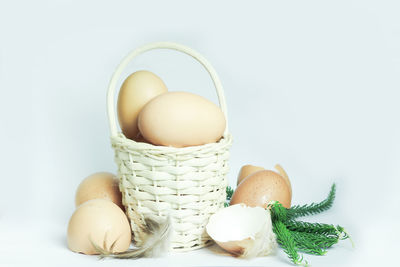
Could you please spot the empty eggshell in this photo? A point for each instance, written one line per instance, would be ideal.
(99, 221)
(181, 119)
(246, 170)
(243, 231)
(138, 89)
(99, 185)
(260, 188)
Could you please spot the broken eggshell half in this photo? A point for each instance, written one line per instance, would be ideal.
(243, 231)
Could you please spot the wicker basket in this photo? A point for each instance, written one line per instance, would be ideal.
(188, 184)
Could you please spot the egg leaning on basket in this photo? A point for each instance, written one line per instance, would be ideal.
(181, 119)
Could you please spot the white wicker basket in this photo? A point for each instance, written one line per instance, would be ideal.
(188, 184)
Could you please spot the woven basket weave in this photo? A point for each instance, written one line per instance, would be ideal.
(187, 184)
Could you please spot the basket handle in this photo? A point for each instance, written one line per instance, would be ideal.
(161, 45)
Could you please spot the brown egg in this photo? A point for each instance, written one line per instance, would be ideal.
(285, 177)
(260, 188)
(246, 170)
(99, 185)
(138, 89)
(99, 221)
(181, 119)
(140, 138)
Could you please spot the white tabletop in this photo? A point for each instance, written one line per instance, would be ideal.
(311, 85)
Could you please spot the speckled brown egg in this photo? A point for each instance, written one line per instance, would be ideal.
(285, 177)
(260, 188)
(246, 170)
(99, 185)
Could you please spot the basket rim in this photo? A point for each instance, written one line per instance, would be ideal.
(225, 141)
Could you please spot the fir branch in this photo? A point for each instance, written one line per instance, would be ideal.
(286, 240)
(229, 193)
(343, 234)
(311, 238)
(313, 208)
(307, 246)
(313, 243)
(317, 228)
(278, 212)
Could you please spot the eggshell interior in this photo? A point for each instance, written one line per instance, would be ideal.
(236, 222)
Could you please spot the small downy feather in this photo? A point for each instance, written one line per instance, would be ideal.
(156, 241)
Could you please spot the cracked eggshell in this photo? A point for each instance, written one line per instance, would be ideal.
(247, 170)
(243, 231)
(99, 221)
(262, 187)
(285, 177)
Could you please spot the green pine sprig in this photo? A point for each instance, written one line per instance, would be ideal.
(229, 193)
(278, 211)
(317, 228)
(288, 243)
(313, 208)
(316, 244)
(309, 238)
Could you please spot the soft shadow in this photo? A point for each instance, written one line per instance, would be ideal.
(218, 250)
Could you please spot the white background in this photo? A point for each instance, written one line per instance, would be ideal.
(312, 85)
